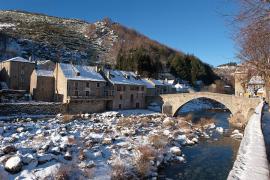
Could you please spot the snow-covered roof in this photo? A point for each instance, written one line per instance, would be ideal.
(148, 83)
(171, 82)
(123, 77)
(158, 82)
(79, 72)
(18, 59)
(47, 73)
(256, 80)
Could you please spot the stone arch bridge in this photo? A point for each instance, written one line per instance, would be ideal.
(236, 104)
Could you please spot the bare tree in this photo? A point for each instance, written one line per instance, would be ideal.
(253, 37)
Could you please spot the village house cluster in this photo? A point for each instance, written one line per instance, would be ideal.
(81, 88)
(249, 84)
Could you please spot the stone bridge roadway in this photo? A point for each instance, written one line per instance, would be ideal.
(236, 104)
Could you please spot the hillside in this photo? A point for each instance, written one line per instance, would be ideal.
(226, 72)
(104, 42)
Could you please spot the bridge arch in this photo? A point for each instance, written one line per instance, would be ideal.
(235, 104)
(199, 98)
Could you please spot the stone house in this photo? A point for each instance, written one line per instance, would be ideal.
(82, 88)
(128, 89)
(162, 87)
(16, 72)
(150, 87)
(256, 86)
(240, 81)
(42, 85)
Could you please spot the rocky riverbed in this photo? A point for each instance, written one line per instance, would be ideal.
(103, 146)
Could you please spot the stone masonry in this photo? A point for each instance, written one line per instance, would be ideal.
(236, 104)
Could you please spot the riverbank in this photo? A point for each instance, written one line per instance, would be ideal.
(86, 146)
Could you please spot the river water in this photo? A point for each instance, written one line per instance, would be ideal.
(211, 159)
(266, 129)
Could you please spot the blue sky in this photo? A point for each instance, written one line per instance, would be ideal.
(192, 26)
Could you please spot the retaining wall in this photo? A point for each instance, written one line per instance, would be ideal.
(35, 108)
(251, 161)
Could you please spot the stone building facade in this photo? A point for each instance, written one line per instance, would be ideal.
(127, 88)
(82, 88)
(16, 72)
(157, 87)
(42, 85)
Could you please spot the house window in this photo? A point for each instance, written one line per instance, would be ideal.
(120, 106)
(137, 105)
(98, 84)
(124, 88)
(87, 93)
(131, 98)
(87, 84)
(137, 88)
(118, 88)
(121, 97)
(142, 88)
(76, 93)
(76, 85)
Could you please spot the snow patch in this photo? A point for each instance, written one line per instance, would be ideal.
(6, 25)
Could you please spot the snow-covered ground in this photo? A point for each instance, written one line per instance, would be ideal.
(132, 143)
(6, 25)
(251, 162)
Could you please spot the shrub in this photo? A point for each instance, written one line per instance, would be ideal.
(183, 125)
(143, 160)
(82, 155)
(127, 122)
(119, 170)
(67, 118)
(237, 120)
(188, 118)
(158, 141)
(70, 172)
(203, 122)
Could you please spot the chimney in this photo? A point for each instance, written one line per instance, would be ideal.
(108, 74)
(96, 68)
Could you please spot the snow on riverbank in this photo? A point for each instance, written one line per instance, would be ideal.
(251, 161)
(133, 143)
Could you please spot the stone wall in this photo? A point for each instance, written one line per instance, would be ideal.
(251, 161)
(7, 109)
(234, 103)
(89, 106)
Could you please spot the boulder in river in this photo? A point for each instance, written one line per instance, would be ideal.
(9, 149)
(176, 150)
(14, 164)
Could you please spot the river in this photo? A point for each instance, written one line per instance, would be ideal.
(266, 129)
(212, 158)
